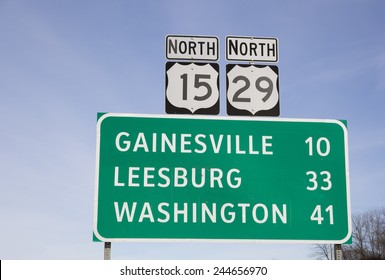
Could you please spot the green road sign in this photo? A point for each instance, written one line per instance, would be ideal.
(213, 178)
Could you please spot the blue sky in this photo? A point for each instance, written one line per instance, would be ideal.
(61, 62)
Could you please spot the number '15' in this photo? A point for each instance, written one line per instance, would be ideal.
(197, 84)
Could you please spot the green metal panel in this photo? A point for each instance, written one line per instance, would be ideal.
(213, 178)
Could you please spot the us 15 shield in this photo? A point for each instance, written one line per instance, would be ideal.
(192, 88)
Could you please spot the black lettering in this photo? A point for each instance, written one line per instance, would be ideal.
(192, 46)
(172, 46)
(182, 47)
(212, 48)
(271, 49)
(233, 47)
(243, 48)
(201, 47)
(262, 45)
(253, 49)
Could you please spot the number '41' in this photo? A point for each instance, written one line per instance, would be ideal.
(319, 218)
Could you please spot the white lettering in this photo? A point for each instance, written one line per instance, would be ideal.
(180, 174)
(243, 207)
(200, 143)
(211, 214)
(217, 178)
(282, 216)
(140, 143)
(164, 177)
(201, 212)
(238, 180)
(223, 211)
(265, 213)
(171, 144)
(164, 212)
(148, 176)
(188, 143)
(116, 178)
(216, 146)
(266, 144)
(251, 142)
(194, 178)
(132, 176)
(124, 211)
(237, 146)
(180, 212)
(177, 177)
(184, 142)
(126, 143)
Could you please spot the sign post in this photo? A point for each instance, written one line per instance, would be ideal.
(213, 178)
(107, 251)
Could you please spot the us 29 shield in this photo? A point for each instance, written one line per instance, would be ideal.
(252, 90)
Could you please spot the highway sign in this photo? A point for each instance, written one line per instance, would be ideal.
(192, 88)
(213, 178)
(252, 49)
(252, 90)
(192, 47)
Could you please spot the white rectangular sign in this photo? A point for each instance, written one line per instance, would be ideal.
(252, 49)
(181, 47)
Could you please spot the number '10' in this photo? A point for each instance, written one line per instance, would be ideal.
(322, 146)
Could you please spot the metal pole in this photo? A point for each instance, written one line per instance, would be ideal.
(338, 251)
(107, 250)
